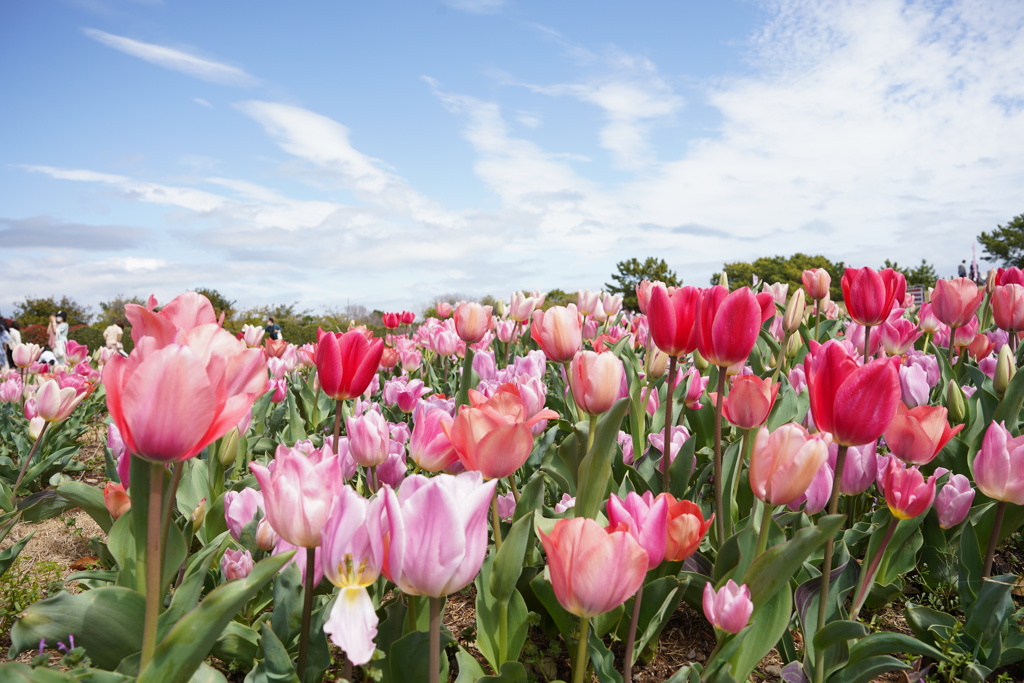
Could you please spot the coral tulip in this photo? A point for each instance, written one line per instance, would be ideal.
(170, 402)
(854, 403)
(346, 363)
(999, 465)
(686, 528)
(917, 435)
(646, 519)
(870, 296)
(672, 319)
(596, 380)
(750, 401)
(437, 532)
(592, 570)
(558, 332)
(729, 608)
(907, 493)
(298, 493)
(727, 325)
(116, 500)
(472, 321)
(955, 302)
(785, 461)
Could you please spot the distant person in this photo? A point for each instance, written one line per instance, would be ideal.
(974, 271)
(272, 329)
(14, 331)
(5, 342)
(112, 336)
(961, 270)
(58, 333)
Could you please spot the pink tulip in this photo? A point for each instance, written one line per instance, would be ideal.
(298, 494)
(54, 404)
(444, 309)
(914, 387)
(817, 282)
(917, 435)
(75, 353)
(346, 363)
(429, 446)
(438, 532)
(860, 469)
(369, 441)
(955, 302)
(1013, 275)
(927, 321)
(352, 546)
(907, 493)
(870, 296)
(784, 462)
(727, 325)
(645, 518)
(672, 319)
(252, 336)
(729, 608)
(643, 293)
(592, 570)
(953, 501)
(999, 465)
(587, 301)
(240, 508)
(522, 307)
(611, 303)
(26, 354)
(1008, 307)
(183, 313)
(236, 564)
(170, 402)
(816, 497)
(558, 332)
(596, 380)
(854, 403)
(897, 336)
(10, 390)
(472, 321)
(751, 400)
(299, 558)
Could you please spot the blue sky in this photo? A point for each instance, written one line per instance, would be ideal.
(385, 153)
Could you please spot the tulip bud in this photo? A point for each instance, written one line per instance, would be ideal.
(655, 362)
(266, 537)
(723, 279)
(1005, 370)
(500, 308)
(699, 362)
(794, 315)
(990, 281)
(793, 346)
(35, 427)
(955, 403)
(198, 516)
(228, 448)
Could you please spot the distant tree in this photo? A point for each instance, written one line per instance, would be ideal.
(38, 311)
(632, 272)
(338, 319)
(785, 269)
(1006, 243)
(113, 310)
(923, 274)
(281, 313)
(557, 297)
(221, 304)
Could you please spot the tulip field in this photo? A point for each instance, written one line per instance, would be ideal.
(529, 493)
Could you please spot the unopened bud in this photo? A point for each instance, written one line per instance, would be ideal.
(655, 362)
(500, 308)
(723, 279)
(228, 450)
(794, 315)
(1005, 370)
(990, 281)
(266, 537)
(699, 361)
(198, 516)
(955, 403)
(35, 427)
(793, 345)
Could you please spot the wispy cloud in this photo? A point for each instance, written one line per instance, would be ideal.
(175, 59)
(476, 6)
(45, 232)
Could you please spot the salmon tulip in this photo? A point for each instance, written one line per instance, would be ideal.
(785, 461)
(955, 302)
(596, 380)
(750, 401)
(916, 436)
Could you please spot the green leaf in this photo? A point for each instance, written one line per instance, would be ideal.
(186, 596)
(107, 622)
(596, 468)
(286, 618)
(239, 644)
(839, 631)
(994, 604)
(885, 642)
(277, 665)
(602, 659)
(511, 672)
(1010, 407)
(508, 562)
(90, 499)
(412, 654)
(868, 670)
(9, 555)
(564, 621)
(470, 670)
(489, 614)
(188, 643)
(773, 569)
(927, 623)
(768, 622)
(657, 605)
(531, 498)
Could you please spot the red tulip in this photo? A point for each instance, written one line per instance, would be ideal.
(592, 570)
(917, 435)
(854, 403)
(391, 320)
(955, 302)
(671, 318)
(727, 325)
(170, 402)
(870, 296)
(346, 363)
(750, 401)
(1006, 276)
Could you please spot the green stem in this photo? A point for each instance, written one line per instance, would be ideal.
(782, 357)
(817, 318)
(154, 570)
(515, 491)
(745, 449)
(337, 423)
(591, 431)
(993, 539)
(868, 577)
(28, 458)
(867, 339)
(496, 521)
(582, 663)
(502, 632)
(667, 446)
(719, 503)
(462, 398)
(766, 525)
(826, 566)
(307, 611)
(627, 662)
(949, 357)
(435, 639)
(168, 507)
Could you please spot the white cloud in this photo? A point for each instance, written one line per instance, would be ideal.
(174, 59)
(476, 6)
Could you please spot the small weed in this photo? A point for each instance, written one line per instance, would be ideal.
(26, 583)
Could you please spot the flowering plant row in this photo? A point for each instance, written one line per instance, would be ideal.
(782, 468)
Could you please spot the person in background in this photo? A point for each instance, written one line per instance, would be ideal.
(961, 270)
(272, 329)
(58, 333)
(112, 336)
(14, 330)
(5, 342)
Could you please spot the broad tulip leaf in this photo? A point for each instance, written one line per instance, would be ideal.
(657, 605)
(107, 622)
(511, 672)
(596, 468)
(1010, 407)
(868, 670)
(470, 670)
(411, 653)
(9, 555)
(490, 612)
(839, 631)
(884, 642)
(773, 569)
(90, 499)
(508, 561)
(531, 498)
(602, 659)
(189, 642)
(186, 596)
(768, 622)
(546, 594)
(276, 665)
(239, 644)
(286, 617)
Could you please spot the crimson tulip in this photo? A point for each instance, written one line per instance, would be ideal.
(870, 296)
(727, 325)
(672, 317)
(346, 363)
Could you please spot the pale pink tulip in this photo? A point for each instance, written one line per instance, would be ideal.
(784, 462)
(369, 441)
(236, 564)
(298, 494)
(729, 608)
